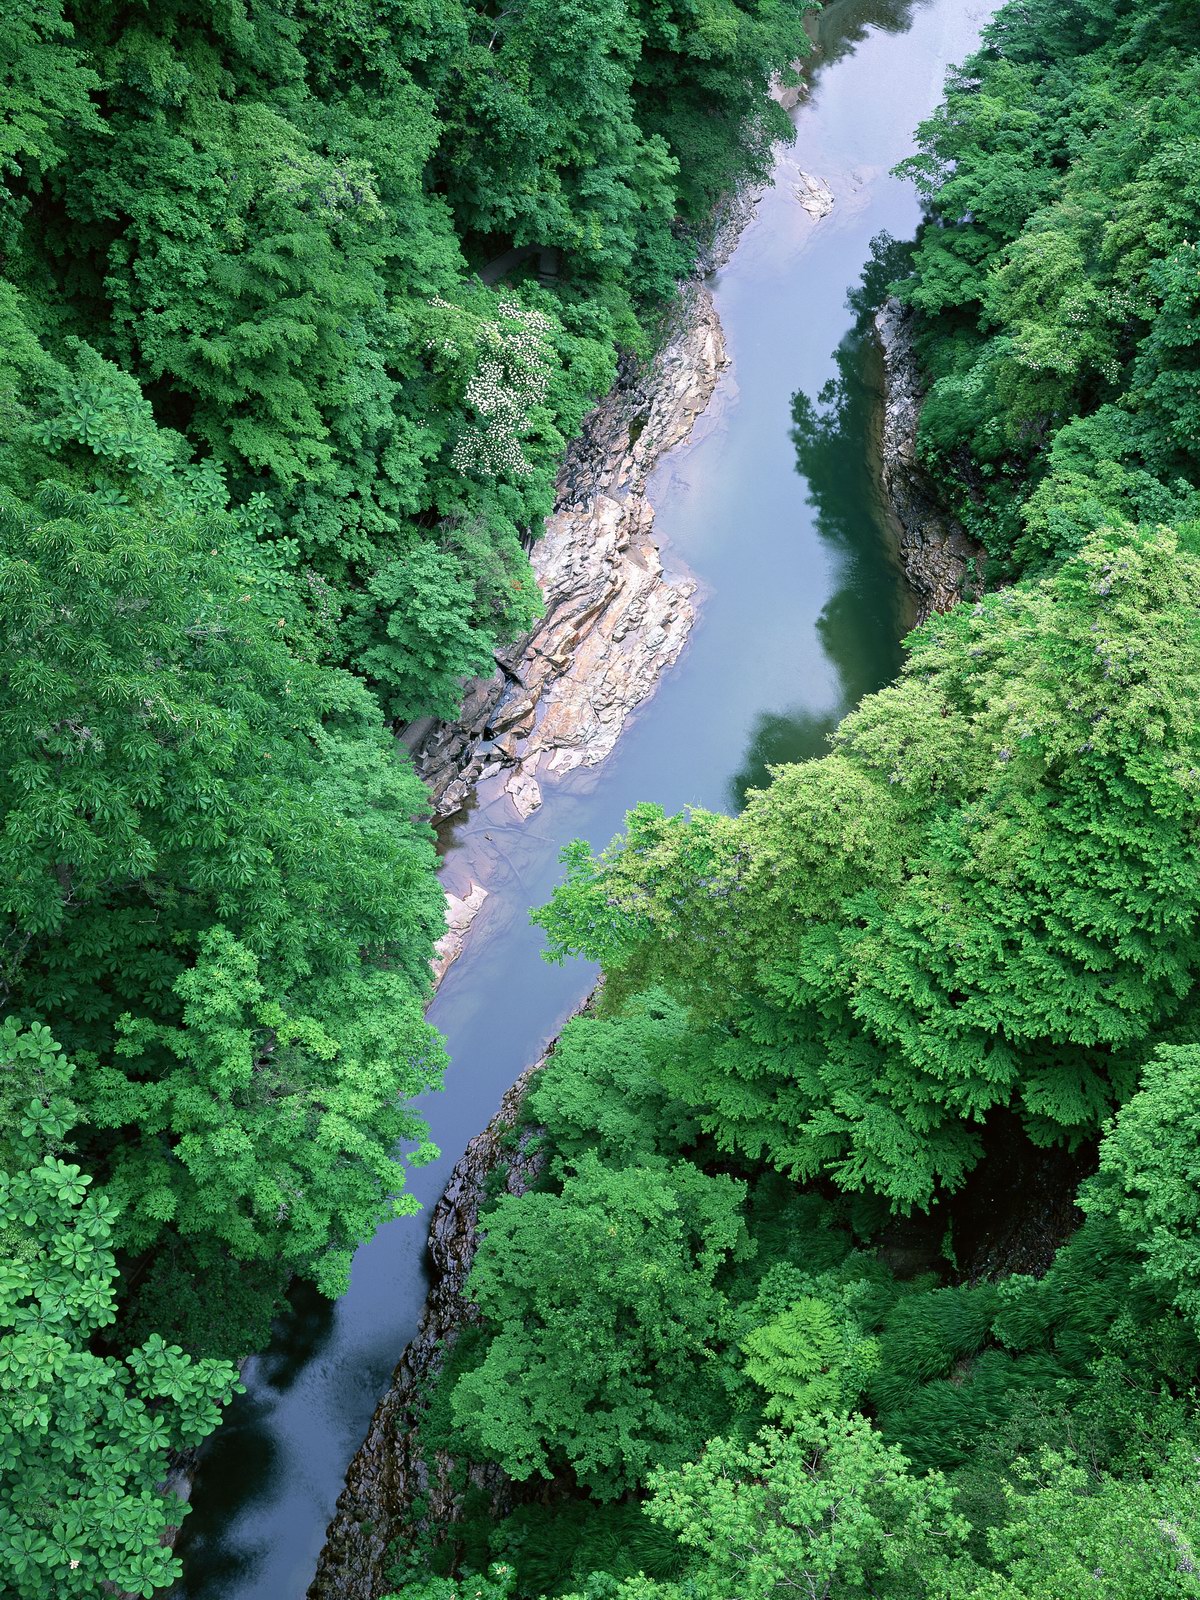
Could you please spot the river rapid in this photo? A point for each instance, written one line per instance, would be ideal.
(802, 609)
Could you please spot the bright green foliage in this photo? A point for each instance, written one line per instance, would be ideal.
(85, 1438)
(217, 886)
(602, 1089)
(255, 1130)
(47, 89)
(1058, 282)
(169, 762)
(35, 1092)
(809, 1360)
(1150, 1175)
(832, 1509)
(1073, 1532)
(985, 896)
(840, 1514)
(604, 1319)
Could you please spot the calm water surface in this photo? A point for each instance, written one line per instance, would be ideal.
(776, 508)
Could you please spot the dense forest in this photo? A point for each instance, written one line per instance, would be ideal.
(274, 447)
(742, 1338)
(301, 304)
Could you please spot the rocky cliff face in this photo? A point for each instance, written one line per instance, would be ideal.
(934, 548)
(614, 620)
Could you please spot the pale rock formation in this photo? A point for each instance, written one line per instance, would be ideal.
(461, 911)
(614, 619)
(814, 195)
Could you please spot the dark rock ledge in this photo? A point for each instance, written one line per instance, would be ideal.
(939, 559)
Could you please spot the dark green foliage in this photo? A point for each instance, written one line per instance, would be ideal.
(554, 1548)
(271, 219)
(1057, 280)
(605, 1319)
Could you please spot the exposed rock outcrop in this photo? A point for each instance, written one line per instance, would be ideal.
(461, 911)
(614, 619)
(939, 558)
(815, 195)
(391, 1488)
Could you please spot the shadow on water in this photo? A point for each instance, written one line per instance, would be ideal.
(860, 627)
(838, 28)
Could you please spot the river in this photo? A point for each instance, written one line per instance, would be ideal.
(803, 607)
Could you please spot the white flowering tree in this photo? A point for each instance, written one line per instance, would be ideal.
(507, 358)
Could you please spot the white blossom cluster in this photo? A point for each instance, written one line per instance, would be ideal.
(510, 380)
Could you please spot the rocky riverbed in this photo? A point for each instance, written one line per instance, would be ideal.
(614, 619)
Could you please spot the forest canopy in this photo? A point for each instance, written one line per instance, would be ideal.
(277, 438)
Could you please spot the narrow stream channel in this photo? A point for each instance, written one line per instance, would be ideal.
(802, 614)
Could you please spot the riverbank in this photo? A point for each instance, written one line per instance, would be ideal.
(614, 618)
(940, 562)
(393, 1489)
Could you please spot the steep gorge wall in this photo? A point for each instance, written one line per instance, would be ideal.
(938, 558)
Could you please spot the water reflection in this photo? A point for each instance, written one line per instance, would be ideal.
(836, 29)
(299, 1335)
(869, 609)
(778, 738)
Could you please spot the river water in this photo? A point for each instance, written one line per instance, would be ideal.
(775, 506)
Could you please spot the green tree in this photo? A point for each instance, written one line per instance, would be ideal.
(249, 1129)
(604, 1323)
(811, 1358)
(601, 1089)
(1149, 1179)
(1056, 280)
(217, 879)
(829, 1510)
(85, 1438)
